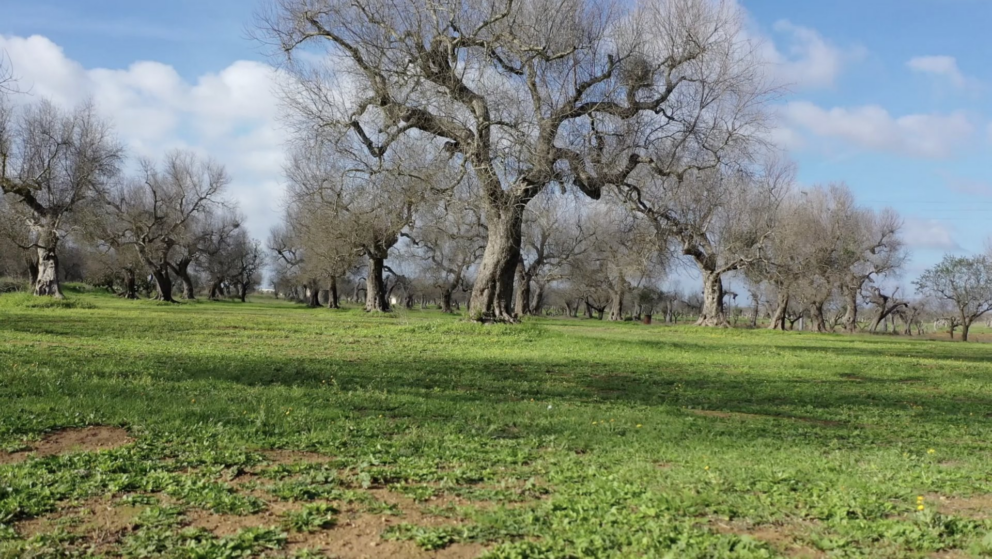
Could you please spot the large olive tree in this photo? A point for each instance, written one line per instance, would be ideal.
(51, 162)
(525, 93)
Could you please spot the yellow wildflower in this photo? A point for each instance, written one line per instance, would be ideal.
(931, 451)
(920, 507)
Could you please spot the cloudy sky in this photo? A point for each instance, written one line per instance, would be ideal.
(893, 97)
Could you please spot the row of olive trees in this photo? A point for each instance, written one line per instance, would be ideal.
(450, 133)
(65, 188)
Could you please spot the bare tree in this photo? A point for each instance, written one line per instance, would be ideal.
(204, 232)
(553, 233)
(448, 239)
(965, 282)
(524, 92)
(371, 201)
(154, 212)
(720, 218)
(51, 162)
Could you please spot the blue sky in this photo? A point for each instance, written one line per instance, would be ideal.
(892, 97)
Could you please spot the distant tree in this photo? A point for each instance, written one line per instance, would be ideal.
(965, 282)
(153, 213)
(721, 218)
(51, 163)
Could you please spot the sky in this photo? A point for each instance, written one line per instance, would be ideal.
(892, 97)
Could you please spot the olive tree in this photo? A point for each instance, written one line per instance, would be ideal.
(51, 163)
(721, 218)
(525, 93)
(964, 282)
(154, 212)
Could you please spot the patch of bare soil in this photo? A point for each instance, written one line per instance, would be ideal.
(752, 416)
(87, 439)
(978, 507)
(357, 535)
(288, 457)
(782, 537)
(97, 521)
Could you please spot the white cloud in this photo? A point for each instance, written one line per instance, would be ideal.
(231, 115)
(928, 234)
(809, 60)
(941, 66)
(872, 128)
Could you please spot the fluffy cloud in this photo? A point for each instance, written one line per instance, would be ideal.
(945, 67)
(872, 128)
(928, 234)
(808, 60)
(231, 115)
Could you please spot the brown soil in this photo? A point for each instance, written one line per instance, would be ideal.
(97, 521)
(978, 507)
(287, 457)
(87, 439)
(782, 537)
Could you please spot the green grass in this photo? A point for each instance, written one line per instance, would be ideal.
(554, 438)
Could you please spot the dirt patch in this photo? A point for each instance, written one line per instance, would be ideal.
(87, 439)
(359, 537)
(978, 507)
(357, 534)
(753, 416)
(782, 537)
(97, 521)
(229, 525)
(287, 457)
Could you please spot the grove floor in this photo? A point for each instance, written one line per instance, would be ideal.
(140, 429)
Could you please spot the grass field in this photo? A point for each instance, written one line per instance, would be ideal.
(271, 429)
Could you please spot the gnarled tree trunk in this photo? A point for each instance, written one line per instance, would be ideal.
(446, 300)
(712, 313)
(523, 290)
(492, 294)
(130, 284)
(616, 301)
(47, 282)
(333, 298)
(816, 316)
(781, 307)
(851, 314)
(181, 270)
(375, 286)
(163, 283)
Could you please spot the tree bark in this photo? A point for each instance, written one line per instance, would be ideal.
(375, 287)
(616, 301)
(130, 284)
(163, 283)
(965, 326)
(47, 283)
(523, 291)
(851, 314)
(333, 298)
(712, 313)
(32, 269)
(446, 300)
(492, 294)
(816, 316)
(782, 306)
(313, 295)
(181, 270)
(537, 303)
(215, 289)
